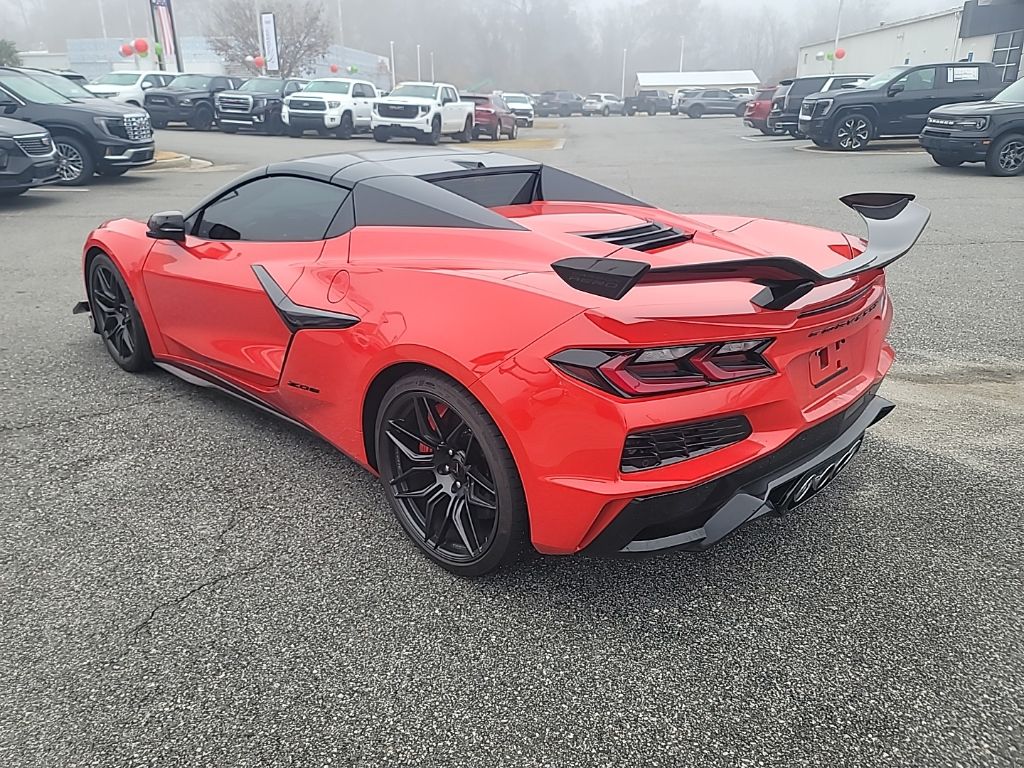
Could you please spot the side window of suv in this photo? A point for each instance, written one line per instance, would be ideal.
(272, 209)
(220, 84)
(918, 80)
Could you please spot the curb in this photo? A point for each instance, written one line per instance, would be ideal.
(167, 160)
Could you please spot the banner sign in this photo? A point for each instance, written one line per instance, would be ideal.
(163, 29)
(269, 28)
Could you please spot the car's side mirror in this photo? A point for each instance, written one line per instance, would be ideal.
(146, 86)
(167, 225)
(896, 88)
(446, 100)
(7, 104)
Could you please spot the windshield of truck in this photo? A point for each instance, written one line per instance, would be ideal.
(416, 91)
(262, 85)
(28, 89)
(198, 82)
(883, 78)
(1014, 94)
(116, 78)
(328, 86)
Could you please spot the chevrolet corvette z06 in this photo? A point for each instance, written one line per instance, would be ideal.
(524, 357)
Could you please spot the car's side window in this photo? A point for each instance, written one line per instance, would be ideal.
(359, 91)
(291, 87)
(918, 80)
(219, 84)
(272, 209)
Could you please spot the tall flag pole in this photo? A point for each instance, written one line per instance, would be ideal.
(163, 30)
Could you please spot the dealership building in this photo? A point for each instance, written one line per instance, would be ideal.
(980, 30)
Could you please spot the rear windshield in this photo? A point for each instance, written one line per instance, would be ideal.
(494, 189)
(477, 99)
(764, 95)
(594, 97)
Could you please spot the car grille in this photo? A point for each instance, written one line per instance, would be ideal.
(36, 145)
(238, 104)
(645, 237)
(138, 127)
(405, 111)
(308, 105)
(647, 450)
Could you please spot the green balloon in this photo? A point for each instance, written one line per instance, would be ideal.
(353, 69)
(830, 55)
(159, 49)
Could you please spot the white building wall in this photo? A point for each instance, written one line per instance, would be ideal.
(915, 41)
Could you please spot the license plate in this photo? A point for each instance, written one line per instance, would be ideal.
(829, 363)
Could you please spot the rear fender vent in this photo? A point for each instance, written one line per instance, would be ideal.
(658, 448)
(648, 236)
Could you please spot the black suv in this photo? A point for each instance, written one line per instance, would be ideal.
(188, 99)
(650, 101)
(256, 104)
(27, 157)
(91, 135)
(894, 103)
(990, 132)
(784, 116)
(562, 103)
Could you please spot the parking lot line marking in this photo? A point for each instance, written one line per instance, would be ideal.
(60, 189)
(831, 153)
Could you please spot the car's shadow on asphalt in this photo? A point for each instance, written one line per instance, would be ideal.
(33, 200)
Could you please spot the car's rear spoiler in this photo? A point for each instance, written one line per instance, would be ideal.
(894, 223)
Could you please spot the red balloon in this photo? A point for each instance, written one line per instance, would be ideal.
(334, 67)
(840, 53)
(126, 50)
(259, 61)
(140, 45)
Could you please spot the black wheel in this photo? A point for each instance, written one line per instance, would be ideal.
(947, 161)
(820, 143)
(741, 111)
(112, 171)
(158, 123)
(115, 316)
(202, 118)
(229, 128)
(795, 133)
(1006, 156)
(605, 112)
(852, 132)
(468, 132)
(13, 192)
(274, 126)
(434, 137)
(75, 163)
(449, 475)
(294, 132)
(381, 134)
(346, 128)
(652, 112)
(513, 131)
(673, 111)
(529, 124)
(696, 112)
(565, 112)
(767, 131)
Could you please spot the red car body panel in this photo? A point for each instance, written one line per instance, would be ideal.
(490, 110)
(506, 314)
(758, 108)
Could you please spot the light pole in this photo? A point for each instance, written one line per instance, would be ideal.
(835, 45)
(341, 30)
(682, 48)
(623, 73)
(419, 72)
(432, 78)
(103, 21)
(392, 62)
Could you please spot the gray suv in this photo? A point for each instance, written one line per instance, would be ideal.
(712, 101)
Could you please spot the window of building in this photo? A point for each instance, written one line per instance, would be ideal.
(1006, 54)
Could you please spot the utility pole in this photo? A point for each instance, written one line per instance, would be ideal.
(835, 45)
(103, 21)
(682, 48)
(623, 73)
(419, 72)
(341, 30)
(432, 78)
(392, 63)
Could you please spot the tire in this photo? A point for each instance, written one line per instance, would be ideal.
(565, 112)
(474, 521)
(468, 133)
(673, 111)
(605, 112)
(112, 171)
(76, 164)
(496, 133)
(381, 134)
(947, 161)
(795, 133)
(1006, 156)
(652, 112)
(158, 123)
(767, 131)
(530, 124)
(202, 118)
(820, 143)
(740, 111)
(476, 132)
(13, 192)
(295, 133)
(346, 128)
(434, 138)
(852, 132)
(514, 132)
(229, 128)
(116, 317)
(696, 112)
(274, 126)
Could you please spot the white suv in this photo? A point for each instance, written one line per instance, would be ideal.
(129, 87)
(521, 106)
(602, 104)
(330, 104)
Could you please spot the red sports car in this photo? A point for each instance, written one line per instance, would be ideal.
(523, 356)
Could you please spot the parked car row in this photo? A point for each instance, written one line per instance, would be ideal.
(960, 112)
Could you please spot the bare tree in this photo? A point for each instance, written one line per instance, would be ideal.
(303, 34)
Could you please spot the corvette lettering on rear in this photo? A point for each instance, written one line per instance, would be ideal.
(848, 322)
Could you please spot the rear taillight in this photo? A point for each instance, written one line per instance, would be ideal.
(661, 370)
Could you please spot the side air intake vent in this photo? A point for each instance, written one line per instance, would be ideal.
(647, 450)
(644, 237)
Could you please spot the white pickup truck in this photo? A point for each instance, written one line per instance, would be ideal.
(423, 111)
(338, 105)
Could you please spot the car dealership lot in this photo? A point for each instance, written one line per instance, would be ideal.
(188, 581)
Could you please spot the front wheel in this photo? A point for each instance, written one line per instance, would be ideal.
(695, 112)
(514, 131)
(228, 128)
(75, 163)
(468, 133)
(1006, 156)
(202, 119)
(381, 134)
(115, 316)
(449, 475)
(852, 132)
(947, 161)
(346, 127)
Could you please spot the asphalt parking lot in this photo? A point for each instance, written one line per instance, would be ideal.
(186, 581)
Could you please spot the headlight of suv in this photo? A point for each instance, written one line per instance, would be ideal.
(112, 126)
(424, 109)
(333, 104)
(822, 107)
(259, 102)
(186, 102)
(971, 123)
